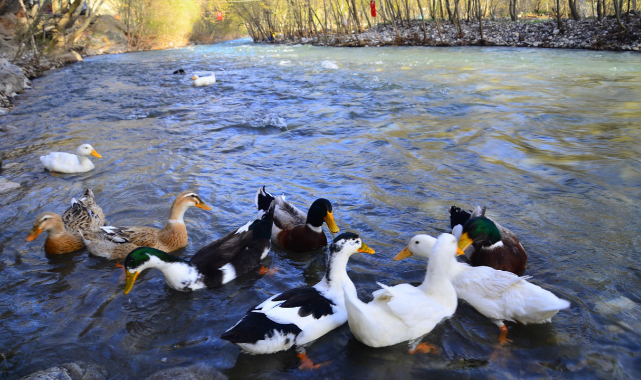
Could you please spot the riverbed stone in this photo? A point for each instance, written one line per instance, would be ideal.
(194, 372)
(71, 371)
(12, 81)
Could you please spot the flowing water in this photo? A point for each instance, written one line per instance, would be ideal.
(547, 139)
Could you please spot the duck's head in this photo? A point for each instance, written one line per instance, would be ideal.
(422, 246)
(188, 199)
(143, 258)
(87, 150)
(321, 211)
(479, 231)
(47, 221)
(348, 243)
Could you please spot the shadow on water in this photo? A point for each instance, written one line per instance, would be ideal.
(547, 140)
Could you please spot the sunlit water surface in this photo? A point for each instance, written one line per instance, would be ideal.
(547, 139)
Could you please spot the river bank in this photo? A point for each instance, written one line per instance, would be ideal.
(584, 34)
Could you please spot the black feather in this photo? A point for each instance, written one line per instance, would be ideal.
(264, 199)
(310, 301)
(256, 326)
(458, 216)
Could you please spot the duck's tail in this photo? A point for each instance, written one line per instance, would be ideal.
(458, 216)
(263, 199)
(263, 227)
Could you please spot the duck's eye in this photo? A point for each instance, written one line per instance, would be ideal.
(416, 242)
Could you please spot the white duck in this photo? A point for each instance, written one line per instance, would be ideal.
(499, 295)
(70, 163)
(299, 316)
(204, 81)
(403, 312)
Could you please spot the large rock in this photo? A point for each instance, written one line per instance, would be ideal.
(12, 81)
(70, 371)
(9, 6)
(106, 35)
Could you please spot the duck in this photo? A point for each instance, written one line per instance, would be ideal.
(62, 231)
(487, 243)
(180, 71)
(114, 242)
(403, 312)
(214, 265)
(70, 163)
(204, 81)
(301, 315)
(293, 229)
(498, 295)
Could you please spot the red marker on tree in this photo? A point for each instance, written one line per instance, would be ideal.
(372, 6)
(219, 16)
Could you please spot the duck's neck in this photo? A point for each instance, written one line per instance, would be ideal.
(174, 233)
(82, 158)
(437, 283)
(335, 277)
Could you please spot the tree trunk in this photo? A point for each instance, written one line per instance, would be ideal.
(481, 21)
(89, 19)
(574, 9)
(513, 13)
(558, 15)
(599, 10)
(65, 22)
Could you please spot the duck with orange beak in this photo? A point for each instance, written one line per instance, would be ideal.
(204, 81)
(70, 163)
(116, 242)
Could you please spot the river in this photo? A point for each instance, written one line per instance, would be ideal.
(548, 140)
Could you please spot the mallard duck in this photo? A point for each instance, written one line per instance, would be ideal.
(214, 265)
(204, 81)
(487, 243)
(499, 295)
(116, 242)
(403, 312)
(63, 236)
(292, 228)
(70, 163)
(299, 316)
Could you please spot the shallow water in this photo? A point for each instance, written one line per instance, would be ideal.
(547, 139)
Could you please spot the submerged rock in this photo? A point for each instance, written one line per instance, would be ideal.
(71, 371)
(193, 372)
(6, 185)
(12, 81)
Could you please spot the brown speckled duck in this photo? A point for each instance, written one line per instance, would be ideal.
(293, 229)
(487, 243)
(62, 231)
(116, 242)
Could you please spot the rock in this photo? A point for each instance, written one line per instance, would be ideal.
(106, 35)
(71, 371)
(555, 31)
(194, 372)
(12, 80)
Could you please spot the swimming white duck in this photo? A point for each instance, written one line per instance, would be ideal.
(499, 295)
(204, 81)
(70, 163)
(403, 312)
(299, 316)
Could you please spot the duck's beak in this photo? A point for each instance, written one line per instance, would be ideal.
(329, 220)
(203, 206)
(365, 249)
(404, 254)
(194, 78)
(131, 278)
(463, 243)
(94, 153)
(33, 234)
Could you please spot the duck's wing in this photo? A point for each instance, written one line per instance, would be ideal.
(77, 216)
(59, 160)
(97, 215)
(286, 215)
(458, 216)
(413, 307)
(486, 282)
(299, 306)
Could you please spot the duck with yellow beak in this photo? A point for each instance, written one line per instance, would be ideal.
(293, 229)
(70, 163)
(498, 295)
(299, 316)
